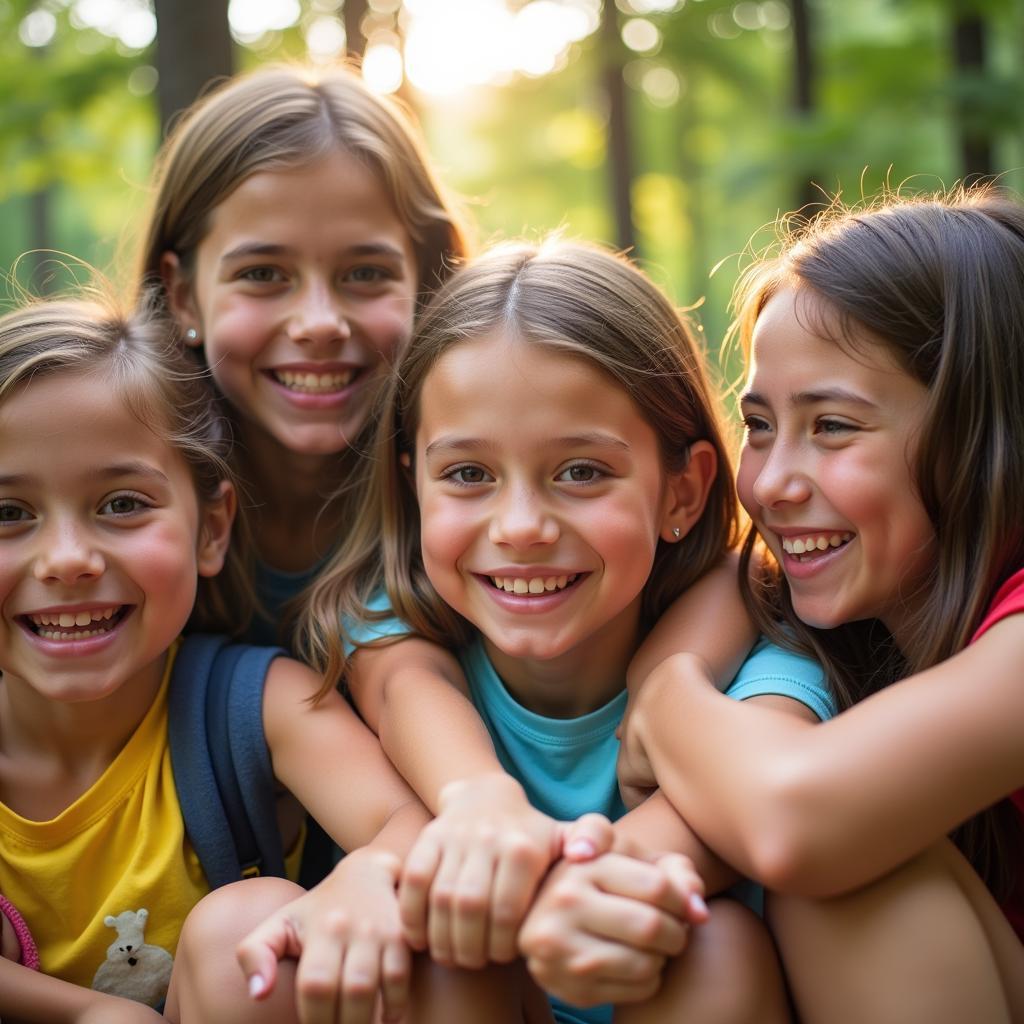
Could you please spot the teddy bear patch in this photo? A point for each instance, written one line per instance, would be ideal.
(134, 969)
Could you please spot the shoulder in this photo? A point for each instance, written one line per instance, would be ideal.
(1009, 600)
(770, 670)
(380, 623)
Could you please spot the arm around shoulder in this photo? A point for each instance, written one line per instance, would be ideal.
(818, 810)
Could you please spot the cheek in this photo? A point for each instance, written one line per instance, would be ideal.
(746, 477)
(389, 326)
(446, 531)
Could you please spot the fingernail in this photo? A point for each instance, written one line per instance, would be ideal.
(697, 904)
(257, 986)
(581, 848)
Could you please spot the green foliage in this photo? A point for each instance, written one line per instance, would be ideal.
(718, 147)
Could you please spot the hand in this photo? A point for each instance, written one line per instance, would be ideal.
(601, 931)
(346, 934)
(469, 879)
(636, 775)
(633, 768)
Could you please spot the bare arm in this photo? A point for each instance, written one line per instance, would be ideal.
(414, 696)
(334, 765)
(709, 620)
(821, 810)
(33, 997)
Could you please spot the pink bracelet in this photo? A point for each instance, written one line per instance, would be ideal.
(29, 954)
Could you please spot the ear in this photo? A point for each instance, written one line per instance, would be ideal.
(180, 299)
(215, 519)
(687, 492)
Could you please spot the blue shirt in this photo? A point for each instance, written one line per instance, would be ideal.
(567, 765)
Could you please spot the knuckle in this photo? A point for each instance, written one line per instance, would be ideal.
(358, 987)
(336, 924)
(647, 926)
(505, 915)
(316, 986)
(470, 904)
(441, 897)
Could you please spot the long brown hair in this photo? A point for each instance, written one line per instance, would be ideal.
(939, 281)
(280, 117)
(574, 298)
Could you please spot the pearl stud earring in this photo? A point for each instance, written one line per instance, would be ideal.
(191, 335)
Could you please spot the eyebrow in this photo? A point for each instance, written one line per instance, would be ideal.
(835, 394)
(131, 468)
(249, 249)
(592, 440)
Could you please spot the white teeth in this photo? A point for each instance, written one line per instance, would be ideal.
(69, 625)
(819, 542)
(314, 383)
(534, 585)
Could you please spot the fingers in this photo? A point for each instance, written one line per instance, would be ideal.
(468, 914)
(604, 974)
(687, 883)
(516, 878)
(587, 837)
(396, 973)
(342, 970)
(258, 954)
(418, 875)
(466, 887)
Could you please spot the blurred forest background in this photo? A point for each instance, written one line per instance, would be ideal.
(676, 128)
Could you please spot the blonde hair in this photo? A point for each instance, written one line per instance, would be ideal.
(938, 281)
(144, 367)
(571, 297)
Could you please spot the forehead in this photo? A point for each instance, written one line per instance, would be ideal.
(75, 418)
(800, 335)
(336, 195)
(500, 384)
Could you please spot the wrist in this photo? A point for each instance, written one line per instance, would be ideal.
(485, 789)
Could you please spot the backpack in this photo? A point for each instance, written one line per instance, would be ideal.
(220, 760)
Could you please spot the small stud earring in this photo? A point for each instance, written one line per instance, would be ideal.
(191, 335)
(676, 532)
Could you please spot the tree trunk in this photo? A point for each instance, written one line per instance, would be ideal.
(353, 13)
(970, 47)
(804, 100)
(193, 47)
(620, 149)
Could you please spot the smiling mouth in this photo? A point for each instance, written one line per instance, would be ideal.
(533, 586)
(68, 626)
(305, 383)
(806, 549)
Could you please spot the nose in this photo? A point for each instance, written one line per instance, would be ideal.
(781, 478)
(67, 554)
(522, 519)
(319, 315)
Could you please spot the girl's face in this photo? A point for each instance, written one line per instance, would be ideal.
(304, 287)
(825, 472)
(542, 498)
(101, 540)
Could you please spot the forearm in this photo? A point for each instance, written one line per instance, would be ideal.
(656, 826)
(36, 998)
(708, 620)
(821, 809)
(433, 734)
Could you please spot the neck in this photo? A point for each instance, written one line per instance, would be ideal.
(295, 523)
(55, 750)
(579, 681)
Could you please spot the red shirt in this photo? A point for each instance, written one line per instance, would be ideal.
(1008, 601)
